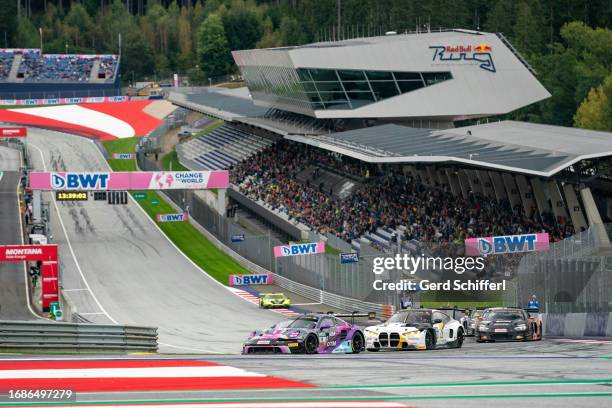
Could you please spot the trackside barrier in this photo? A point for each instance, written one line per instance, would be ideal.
(73, 337)
(577, 324)
(309, 292)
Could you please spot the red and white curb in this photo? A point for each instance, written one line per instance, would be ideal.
(133, 375)
(255, 300)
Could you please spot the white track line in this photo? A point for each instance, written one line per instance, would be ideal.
(74, 257)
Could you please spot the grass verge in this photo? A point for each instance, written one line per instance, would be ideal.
(184, 235)
(171, 161)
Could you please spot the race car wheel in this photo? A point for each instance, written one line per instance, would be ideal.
(460, 337)
(430, 343)
(310, 344)
(357, 343)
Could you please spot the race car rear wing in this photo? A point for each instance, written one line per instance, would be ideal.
(369, 315)
(454, 310)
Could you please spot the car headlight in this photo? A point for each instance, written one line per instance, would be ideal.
(370, 332)
(482, 327)
(411, 333)
(520, 327)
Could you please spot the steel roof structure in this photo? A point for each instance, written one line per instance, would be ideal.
(528, 148)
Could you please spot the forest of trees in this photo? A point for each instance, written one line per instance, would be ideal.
(569, 42)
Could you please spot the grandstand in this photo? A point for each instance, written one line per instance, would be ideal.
(370, 153)
(222, 148)
(29, 74)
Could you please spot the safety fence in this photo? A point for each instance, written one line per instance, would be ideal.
(573, 276)
(322, 271)
(73, 337)
(151, 142)
(257, 254)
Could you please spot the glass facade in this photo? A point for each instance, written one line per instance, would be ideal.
(318, 88)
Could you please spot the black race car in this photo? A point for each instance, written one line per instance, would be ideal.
(507, 323)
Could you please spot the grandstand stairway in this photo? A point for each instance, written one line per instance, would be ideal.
(93, 77)
(15, 68)
(222, 148)
(338, 185)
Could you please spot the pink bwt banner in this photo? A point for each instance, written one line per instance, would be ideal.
(178, 217)
(136, 180)
(507, 244)
(251, 279)
(309, 248)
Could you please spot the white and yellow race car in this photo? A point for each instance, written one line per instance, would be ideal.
(420, 329)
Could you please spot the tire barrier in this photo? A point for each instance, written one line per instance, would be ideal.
(18, 336)
(578, 324)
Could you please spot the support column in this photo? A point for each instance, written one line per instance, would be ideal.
(221, 201)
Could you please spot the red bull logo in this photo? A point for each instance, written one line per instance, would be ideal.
(482, 48)
(479, 54)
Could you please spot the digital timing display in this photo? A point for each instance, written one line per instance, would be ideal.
(71, 195)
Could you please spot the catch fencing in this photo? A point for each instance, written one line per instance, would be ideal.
(16, 336)
(151, 143)
(573, 276)
(321, 271)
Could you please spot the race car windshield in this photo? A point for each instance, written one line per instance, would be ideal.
(303, 324)
(505, 316)
(411, 316)
(275, 297)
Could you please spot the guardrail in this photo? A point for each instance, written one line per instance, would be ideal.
(73, 337)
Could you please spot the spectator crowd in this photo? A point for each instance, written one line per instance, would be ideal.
(388, 198)
(39, 67)
(6, 62)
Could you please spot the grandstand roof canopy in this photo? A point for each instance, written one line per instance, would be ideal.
(227, 104)
(541, 150)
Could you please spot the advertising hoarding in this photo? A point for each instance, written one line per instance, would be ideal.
(507, 244)
(179, 217)
(251, 279)
(309, 248)
(136, 180)
(13, 132)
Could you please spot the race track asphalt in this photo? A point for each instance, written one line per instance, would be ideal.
(13, 298)
(117, 266)
(548, 373)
